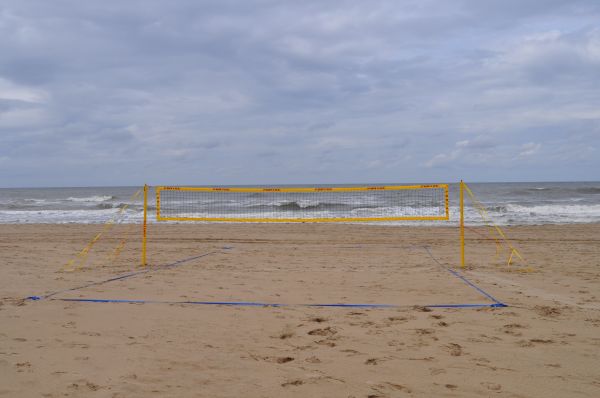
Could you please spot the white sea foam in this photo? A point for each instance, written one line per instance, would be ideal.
(66, 216)
(555, 209)
(95, 198)
(31, 200)
(508, 215)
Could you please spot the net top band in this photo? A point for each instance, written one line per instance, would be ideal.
(304, 189)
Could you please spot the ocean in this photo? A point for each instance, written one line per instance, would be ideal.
(523, 203)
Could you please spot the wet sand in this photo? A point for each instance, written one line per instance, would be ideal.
(546, 343)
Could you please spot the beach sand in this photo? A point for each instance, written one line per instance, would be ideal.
(546, 343)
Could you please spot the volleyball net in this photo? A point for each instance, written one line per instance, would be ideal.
(317, 204)
(303, 204)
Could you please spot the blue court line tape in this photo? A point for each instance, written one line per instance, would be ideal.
(490, 305)
(474, 286)
(261, 304)
(496, 303)
(125, 276)
(465, 280)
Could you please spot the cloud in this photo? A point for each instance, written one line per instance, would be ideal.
(478, 142)
(16, 92)
(553, 56)
(475, 150)
(270, 92)
(442, 159)
(529, 149)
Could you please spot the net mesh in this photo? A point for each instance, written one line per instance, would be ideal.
(319, 204)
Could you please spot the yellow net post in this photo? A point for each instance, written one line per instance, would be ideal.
(462, 225)
(145, 226)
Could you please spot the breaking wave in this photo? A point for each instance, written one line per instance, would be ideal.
(95, 198)
(309, 205)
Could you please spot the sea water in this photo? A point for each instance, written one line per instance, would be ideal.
(523, 203)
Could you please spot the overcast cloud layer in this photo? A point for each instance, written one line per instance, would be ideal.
(259, 92)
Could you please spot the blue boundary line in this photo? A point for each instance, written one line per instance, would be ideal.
(496, 303)
(464, 279)
(125, 276)
(260, 304)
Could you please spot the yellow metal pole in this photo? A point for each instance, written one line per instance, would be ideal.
(145, 227)
(462, 225)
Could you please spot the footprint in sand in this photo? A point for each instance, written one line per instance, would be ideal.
(422, 309)
(513, 329)
(547, 311)
(328, 331)
(356, 313)
(394, 320)
(533, 342)
(553, 365)
(455, 350)
(77, 345)
(492, 386)
(92, 386)
(85, 384)
(284, 359)
(290, 383)
(424, 332)
(542, 341)
(22, 366)
(326, 342)
(524, 343)
(398, 318)
(383, 388)
(396, 343)
(286, 333)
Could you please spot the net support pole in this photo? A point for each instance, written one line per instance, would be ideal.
(462, 225)
(145, 226)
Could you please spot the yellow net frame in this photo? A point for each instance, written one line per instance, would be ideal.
(444, 187)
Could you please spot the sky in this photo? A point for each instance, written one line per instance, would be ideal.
(297, 92)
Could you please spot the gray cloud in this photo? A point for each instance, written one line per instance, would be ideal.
(274, 92)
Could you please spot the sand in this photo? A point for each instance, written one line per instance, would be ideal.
(545, 344)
